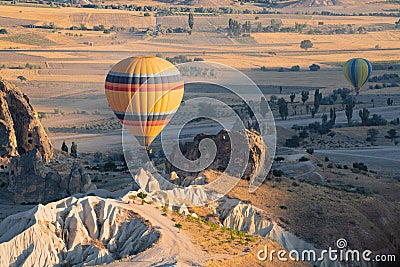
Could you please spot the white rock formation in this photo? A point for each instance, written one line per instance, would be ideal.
(75, 232)
(247, 218)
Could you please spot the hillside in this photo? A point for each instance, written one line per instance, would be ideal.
(203, 3)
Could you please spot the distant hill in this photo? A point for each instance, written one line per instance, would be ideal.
(321, 3)
(204, 3)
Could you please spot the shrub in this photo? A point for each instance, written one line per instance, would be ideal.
(3, 31)
(310, 151)
(141, 195)
(21, 78)
(314, 67)
(295, 68)
(279, 159)
(302, 159)
(283, 207)
(293, 142)
(277, 173)
(361, 166)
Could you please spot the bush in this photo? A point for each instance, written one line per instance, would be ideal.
(3, 31)
(279, 159)
(198, 59)
(283, 207)
(21, 78)
(330, 166)
(295, 68)
(110, 166)
(293, 142)
(314, 67)
(302, 159)
(141, 195)
(277, 173)
(310, 151)
(361, 166)
(146, 14)
(99, 28)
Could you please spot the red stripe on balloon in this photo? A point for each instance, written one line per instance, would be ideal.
(139, 88)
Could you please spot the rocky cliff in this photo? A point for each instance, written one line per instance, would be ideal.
(74, 232)
(20, 127)
(31, 183)
(244, 140)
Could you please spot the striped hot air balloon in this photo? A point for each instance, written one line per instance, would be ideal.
(357, 71)
(144, 92)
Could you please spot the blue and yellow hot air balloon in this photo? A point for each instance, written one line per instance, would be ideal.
(357, 71)
(144, 92)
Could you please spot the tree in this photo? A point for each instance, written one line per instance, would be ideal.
(314, 67)
(364, 115)
(350, 104)
(191, 21)
(283, 108)
(317, 100)
(74, 150)
(344, 93)
(306, 44)
(142, 196)
(332, 116)
(3, 31)
(304, 96)
(21, 78)
(64, 147)
(235, 28)
(263, 106)
(397, 24)
(292, 97)
(293, 142)
(273, 98)
(372, 135)
(247, 26)
(295, 68)
(392, 135)
(304, 134)
(179, 226)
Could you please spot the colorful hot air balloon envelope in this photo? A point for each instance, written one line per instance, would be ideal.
(144, 92)
(357, 71)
